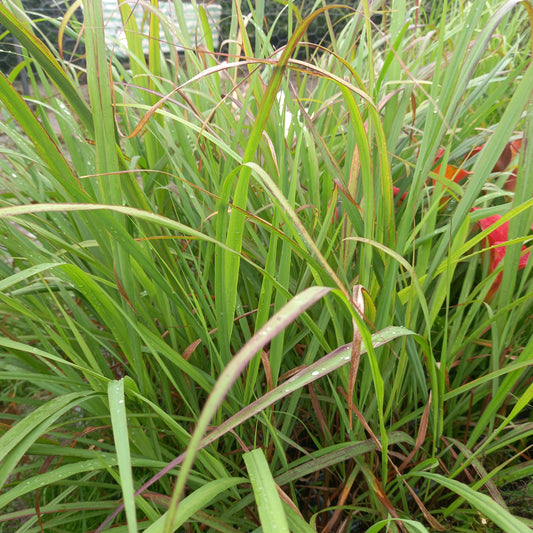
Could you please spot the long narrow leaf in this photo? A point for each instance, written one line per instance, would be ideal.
(269, 504)
(488, 507)
(117, 409)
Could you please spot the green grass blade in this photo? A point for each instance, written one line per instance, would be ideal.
(269, 504)
(483, 503)
(49, 152)
(15, 443)
(196, 501)
(278, 322)
(410, 525)
(227, 286)
(49, 63)
(117, 409)
(329, 363)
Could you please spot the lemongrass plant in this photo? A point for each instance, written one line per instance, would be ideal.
(247, 289)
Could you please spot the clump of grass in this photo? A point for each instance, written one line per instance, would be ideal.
(246, 290)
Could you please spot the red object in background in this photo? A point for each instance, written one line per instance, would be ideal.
(396, 191)
(498, 238)
(453, 173)
(457, 174)
(514, 148)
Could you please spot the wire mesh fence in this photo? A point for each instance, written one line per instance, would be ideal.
(45, 17)
(277, 20)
